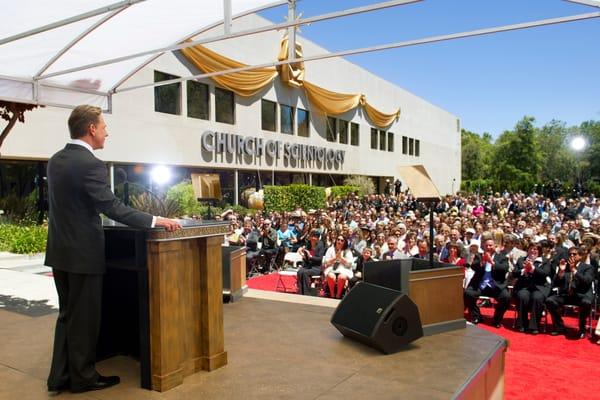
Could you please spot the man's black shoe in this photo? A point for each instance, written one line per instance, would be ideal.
(103, 382)
(535, 332)
(581, 335)
(497, 325)
(521, 329)
(58, 388)
(475, 321)
(557, 332)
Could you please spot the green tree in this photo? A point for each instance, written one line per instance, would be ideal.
(476, 155)
(517, 159)
(556, 159)
(591, 130)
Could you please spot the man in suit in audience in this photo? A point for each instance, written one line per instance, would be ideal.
(313, 257)
(78, 192)
(573, 281)
(489, 279)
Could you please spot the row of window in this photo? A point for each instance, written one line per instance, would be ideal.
(287, 116)
(338, 129)
(167, 99)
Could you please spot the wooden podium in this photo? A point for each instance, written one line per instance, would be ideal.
(162, 300)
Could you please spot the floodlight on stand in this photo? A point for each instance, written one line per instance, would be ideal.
(160, 174)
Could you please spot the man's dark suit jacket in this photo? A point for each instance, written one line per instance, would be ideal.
(78, 193)
(536, 281)
(581, 283)
(498, 271)
(317, 258)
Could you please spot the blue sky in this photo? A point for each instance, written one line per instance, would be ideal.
(489, 82)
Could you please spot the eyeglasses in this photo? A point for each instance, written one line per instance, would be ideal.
(340, 239)
(573, 254)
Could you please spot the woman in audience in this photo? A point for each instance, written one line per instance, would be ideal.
(338, 266)
(532, 288)
(454, 255)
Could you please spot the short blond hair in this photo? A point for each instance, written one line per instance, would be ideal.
(81, 118)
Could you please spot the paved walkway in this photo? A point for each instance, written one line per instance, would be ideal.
(26, 284)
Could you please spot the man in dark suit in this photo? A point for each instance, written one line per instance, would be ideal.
(313, 257)
(77, 193)
(573, 281)
(489, 280)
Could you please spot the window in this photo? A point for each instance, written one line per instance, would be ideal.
(268, 115)
(381, 140)
(287, 119)
(224, 106)
(331, 129)
(374, 138)
(353, 134)
(197, 100)
(390, 141)
(411, 146)
(303, 126)
(343, 131)
(417, 147)
(167, 98)
(404, 145)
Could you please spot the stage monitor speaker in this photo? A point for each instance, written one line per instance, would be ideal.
(379, 317)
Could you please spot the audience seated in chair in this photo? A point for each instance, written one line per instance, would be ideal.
(313, 257)
(532, 287)
(573, 281)
(365, 257)
(489, 279)
(338, 267)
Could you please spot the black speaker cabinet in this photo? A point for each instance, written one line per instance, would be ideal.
(379, 317)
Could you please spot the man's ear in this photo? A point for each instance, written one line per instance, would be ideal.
(92, 129)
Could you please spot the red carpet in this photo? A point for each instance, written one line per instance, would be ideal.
(540, 367)
(547, 367)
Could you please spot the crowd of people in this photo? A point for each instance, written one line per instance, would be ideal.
(541, 252)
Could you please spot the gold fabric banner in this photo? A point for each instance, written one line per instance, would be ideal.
(249, 83)
(245, 83)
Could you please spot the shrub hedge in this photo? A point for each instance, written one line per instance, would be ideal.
(23, 239)
(288, 198)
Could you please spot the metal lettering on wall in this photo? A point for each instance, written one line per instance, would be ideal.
(238, 149)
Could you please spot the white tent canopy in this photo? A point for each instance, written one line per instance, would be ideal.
(73, 38)
(69, 52)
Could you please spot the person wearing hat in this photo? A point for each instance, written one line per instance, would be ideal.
(312, 256)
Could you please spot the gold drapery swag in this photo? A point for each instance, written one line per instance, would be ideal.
(249, 83)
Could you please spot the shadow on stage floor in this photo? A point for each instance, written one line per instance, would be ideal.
(276, 350)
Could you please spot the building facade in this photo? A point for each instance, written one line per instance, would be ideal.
(274, 137)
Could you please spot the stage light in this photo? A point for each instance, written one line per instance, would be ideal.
(160, 174)
(578, 143)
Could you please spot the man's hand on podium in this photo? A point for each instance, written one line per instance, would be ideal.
(170, 225)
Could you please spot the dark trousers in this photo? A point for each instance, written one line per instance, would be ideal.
(303, 275)
(555, 302)
(501, 295)
(77, 328)
(529, 300)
